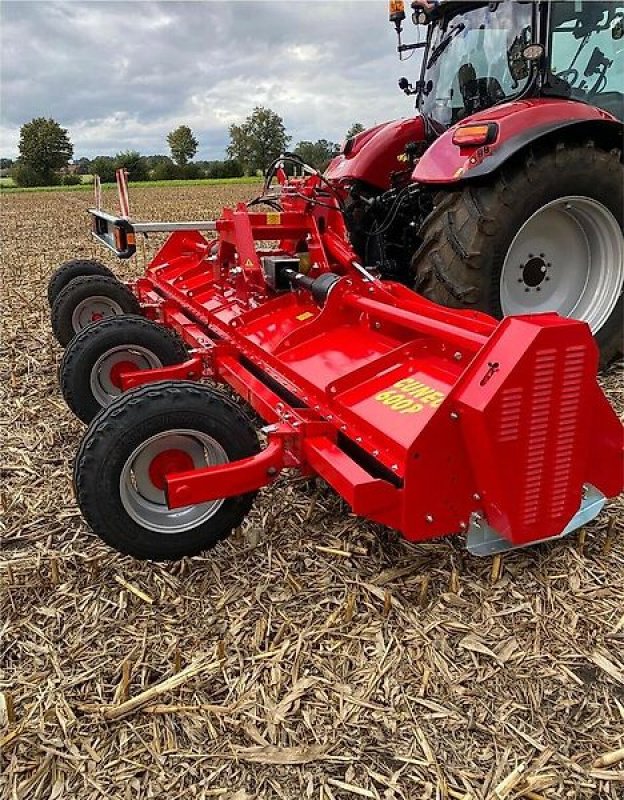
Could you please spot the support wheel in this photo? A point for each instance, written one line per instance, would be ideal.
(76, 268)
(543, 234)
(166, 427)
(89, 299)
(96, 356)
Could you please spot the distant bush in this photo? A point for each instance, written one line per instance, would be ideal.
(152, 161)
(225, 169)
(26, 176)
(134, 162)
(70, 179)
(192, 172)
(166, 171)
(83, 166)
(104, 166)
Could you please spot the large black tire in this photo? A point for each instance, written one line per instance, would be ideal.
(87, 371)
(76, 268)
(80, 292)
(470, 231)
(129, 423)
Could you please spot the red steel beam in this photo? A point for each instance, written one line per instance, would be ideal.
(414, 321)
(226, 480)
(187, 370)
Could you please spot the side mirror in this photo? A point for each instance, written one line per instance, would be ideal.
(406, 86)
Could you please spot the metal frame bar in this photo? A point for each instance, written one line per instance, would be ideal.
(170, 227)
(157, 227)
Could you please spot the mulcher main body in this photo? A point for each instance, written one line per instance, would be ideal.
(430, 420)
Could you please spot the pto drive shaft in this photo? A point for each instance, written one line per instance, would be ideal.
(318, 287)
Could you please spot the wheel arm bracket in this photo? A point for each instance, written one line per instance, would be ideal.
(192, 369)
(227, 480)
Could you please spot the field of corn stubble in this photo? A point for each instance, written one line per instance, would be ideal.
(312, 655)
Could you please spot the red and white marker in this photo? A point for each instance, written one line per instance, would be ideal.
(122, 189)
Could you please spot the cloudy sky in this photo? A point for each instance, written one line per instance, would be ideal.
(120, 75)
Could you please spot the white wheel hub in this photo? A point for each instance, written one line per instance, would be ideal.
(93, 309)
(105, 374)
(141, 483)
(567, 257)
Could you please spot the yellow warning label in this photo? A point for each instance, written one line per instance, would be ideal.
(249, 263)
(409, 396)
(304, 316)
(273, 218)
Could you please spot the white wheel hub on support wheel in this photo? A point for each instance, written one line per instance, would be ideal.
(105, 376)
(142, 479)
(567, 257)
(93, 309)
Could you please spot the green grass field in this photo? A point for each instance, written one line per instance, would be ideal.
(7, 186)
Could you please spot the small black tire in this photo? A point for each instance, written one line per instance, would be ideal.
(75, 268)
(76, 304)
(85, 371)
(114, 494)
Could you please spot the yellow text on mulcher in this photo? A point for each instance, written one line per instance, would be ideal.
(409, 396)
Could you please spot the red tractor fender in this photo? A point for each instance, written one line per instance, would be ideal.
(520, 123)
(373, 155)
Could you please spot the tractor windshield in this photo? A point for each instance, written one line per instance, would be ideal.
(587, 52)
(474, 60)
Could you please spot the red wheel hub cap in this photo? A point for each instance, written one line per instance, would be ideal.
(167, 463)
(117, 370)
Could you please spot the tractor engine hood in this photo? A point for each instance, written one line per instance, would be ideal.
(373, 155)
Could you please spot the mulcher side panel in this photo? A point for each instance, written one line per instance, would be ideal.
(527, 426)
(440, 484)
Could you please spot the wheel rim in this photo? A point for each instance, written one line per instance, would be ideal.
(105, 375)
(142, 479)
(93, 309)
(568, 257)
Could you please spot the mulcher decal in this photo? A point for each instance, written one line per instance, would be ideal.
(409, 396)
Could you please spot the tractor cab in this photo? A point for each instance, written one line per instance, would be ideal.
(478, 55)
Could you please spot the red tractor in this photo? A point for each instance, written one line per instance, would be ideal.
(504, 193)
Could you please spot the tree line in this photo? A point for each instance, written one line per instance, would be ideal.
(45, 153)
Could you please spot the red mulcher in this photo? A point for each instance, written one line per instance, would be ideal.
(430, 420)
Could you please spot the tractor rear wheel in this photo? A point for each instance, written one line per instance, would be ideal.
(87, 300)
(145, 434)
(76, 268)
(545, 234)
(94, 359)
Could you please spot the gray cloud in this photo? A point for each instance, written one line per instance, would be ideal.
(121, 75)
